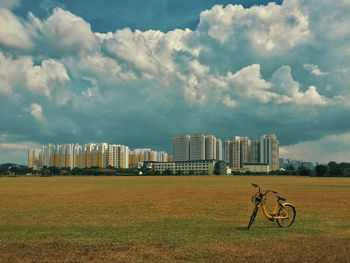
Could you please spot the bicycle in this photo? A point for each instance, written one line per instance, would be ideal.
(284, 213)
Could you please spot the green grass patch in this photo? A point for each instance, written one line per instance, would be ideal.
(170, 232)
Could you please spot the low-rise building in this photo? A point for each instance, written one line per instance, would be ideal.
(199, 167)
(256, 167)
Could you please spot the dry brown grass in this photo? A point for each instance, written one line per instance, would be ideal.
(169, 219)
(319, 249)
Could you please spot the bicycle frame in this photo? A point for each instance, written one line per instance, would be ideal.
(274, 213)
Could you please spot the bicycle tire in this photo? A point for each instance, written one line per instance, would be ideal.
(289, 221)
(252, 218)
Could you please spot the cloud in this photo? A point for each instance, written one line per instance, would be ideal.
(16, 152)
(12, 72)
(21, 74)
(36, 111)
(12, 32)
(330, 148)
(244, 71)
(229, 102)
(9, 3)
(50, 75)
(19, 145)
(134, 49)
(291, 93)
(62, 33)
(249, 83)
(313, 69)
(270, 29)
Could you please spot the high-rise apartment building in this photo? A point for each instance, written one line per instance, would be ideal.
(162, 156)
(236, 147)
(254, 155)
(269, 151)
(228, 152)
(181, 147)
(34, 159)
(197, 147)
(138, 156)
(219, 149)
(123, 156)
(244, 150)
(210, 147)
(118, 156)
(133, 159)
(237, 151)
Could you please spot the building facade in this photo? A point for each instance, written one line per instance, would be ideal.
(241, 150)
(138, 156)
(181, 147)
(219, 149)
(198, 167)
(197, 147)
(100, 155)
(210, 147)
(269, 151)
(254, 153)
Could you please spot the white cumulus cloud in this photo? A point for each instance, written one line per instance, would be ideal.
(9, 3)
(12, 32)
(330, 148)
(270, 29)
(313, 69)
(62, 33)
(45, 78)
(36, 111)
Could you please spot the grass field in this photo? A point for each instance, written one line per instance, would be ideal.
(170, 219)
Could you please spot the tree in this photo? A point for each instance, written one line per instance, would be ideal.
(77, 171)
(148, 171)
(167, 172)
(290, 168)
(304, 171)
(334, 169)
(346, 172)
(321, 170)
(179, 172)
(191, 172)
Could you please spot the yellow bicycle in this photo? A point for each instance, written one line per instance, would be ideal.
(284, 213)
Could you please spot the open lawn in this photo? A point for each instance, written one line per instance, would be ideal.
(170, 219)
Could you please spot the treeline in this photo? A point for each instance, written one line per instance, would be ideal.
(332, 169)
(14, 169)
(110, 171)
(93, 171)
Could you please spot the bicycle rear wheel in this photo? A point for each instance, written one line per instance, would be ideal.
(287, 222)
(252, 218)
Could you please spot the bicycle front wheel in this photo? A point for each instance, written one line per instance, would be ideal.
(289, 212)
(252, 218)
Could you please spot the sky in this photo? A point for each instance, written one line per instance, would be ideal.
(139, 72)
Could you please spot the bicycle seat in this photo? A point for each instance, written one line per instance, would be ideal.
(281, 198)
